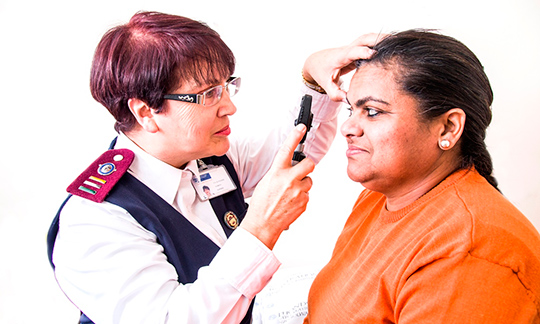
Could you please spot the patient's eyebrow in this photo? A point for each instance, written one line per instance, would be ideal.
(363, 101)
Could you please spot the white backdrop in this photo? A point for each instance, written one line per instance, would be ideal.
(52, 128)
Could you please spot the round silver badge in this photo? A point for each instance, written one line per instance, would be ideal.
(106, 169)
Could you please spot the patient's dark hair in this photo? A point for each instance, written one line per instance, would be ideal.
(441, 73)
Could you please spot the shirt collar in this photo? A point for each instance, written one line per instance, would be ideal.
(160, 177)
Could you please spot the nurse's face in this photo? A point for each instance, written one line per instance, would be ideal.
(390, 150)
(195, 131)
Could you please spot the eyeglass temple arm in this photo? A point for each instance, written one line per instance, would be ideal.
(193, 98)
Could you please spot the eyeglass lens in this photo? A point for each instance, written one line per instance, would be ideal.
(213, 96)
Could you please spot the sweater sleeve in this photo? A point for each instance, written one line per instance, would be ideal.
(464, 289)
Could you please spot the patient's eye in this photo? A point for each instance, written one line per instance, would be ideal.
(371, 112)
(350, 110)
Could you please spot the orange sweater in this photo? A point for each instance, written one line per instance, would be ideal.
(460, 254)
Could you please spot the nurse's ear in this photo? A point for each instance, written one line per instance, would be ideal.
(144, 115)
(452, 126)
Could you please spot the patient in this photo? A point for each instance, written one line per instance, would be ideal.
(431, 239)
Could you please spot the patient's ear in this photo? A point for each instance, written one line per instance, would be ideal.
(143, 114)
(452, 126)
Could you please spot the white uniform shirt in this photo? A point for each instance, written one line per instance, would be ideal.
(113, 269)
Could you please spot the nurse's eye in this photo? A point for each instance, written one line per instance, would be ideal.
(212, 93)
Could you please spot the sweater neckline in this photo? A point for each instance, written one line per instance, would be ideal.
(387, 216)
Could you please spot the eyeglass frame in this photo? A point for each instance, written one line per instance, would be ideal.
(201, 98)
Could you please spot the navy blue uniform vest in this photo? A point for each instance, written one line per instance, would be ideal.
(186, 248)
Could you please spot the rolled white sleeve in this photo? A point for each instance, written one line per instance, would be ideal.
(244, 254)
(115, 272)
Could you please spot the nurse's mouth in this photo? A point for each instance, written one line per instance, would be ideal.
(225, 131)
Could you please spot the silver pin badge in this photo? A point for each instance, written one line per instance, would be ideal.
(106, 169)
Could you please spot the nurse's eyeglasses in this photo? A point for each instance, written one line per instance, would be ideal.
(211, 96)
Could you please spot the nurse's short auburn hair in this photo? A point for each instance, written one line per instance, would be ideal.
(151, 55)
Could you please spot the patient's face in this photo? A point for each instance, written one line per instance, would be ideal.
(390, 147)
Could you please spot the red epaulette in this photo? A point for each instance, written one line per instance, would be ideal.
(102, 175)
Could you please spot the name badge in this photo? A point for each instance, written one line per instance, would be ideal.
(213, 181)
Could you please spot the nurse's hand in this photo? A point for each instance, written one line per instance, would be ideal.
(282, 194)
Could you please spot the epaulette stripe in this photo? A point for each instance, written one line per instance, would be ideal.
(97, 179)
(90, 191)
(91, 184)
